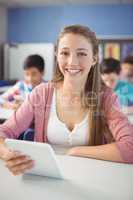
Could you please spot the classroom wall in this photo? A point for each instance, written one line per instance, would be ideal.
(42, 24)
(3, 34)
(3, 24)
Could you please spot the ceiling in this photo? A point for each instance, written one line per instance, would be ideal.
(20, 3)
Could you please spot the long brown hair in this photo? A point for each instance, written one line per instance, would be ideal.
(93, 90)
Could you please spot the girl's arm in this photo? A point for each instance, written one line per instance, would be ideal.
(122, 130)
(107, 152)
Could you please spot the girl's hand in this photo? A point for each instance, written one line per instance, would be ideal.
(73, 151)
(16, 162)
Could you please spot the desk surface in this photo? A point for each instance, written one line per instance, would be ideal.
(86, 179)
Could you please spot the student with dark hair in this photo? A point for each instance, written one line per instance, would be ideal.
(35, 61)
(34, 66)
(110, 70)
(110, 73)
(127, 68)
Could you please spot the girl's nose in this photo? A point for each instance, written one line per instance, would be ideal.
(73, 60)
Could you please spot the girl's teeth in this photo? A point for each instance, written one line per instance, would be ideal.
(73, 71)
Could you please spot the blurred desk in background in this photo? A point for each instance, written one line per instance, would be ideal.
(4, 89)
(130, 118)
(5, 114)
(6, 84)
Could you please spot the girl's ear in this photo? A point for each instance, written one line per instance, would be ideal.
(95, 59)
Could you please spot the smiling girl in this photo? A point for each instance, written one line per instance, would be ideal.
(75, 110)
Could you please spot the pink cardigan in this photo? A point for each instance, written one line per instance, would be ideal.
(37, 106)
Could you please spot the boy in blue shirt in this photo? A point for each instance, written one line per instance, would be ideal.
(34, 67)
(110, 73)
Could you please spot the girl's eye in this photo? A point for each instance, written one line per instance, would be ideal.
(82, 54)
(64, 53)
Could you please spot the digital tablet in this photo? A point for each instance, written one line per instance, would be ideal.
(46, 163)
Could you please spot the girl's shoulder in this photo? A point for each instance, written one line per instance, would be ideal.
(42, 87)
(42, 94)
(108, 98)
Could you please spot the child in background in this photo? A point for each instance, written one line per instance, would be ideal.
(110, 72)
(33, 75)
(127, 69)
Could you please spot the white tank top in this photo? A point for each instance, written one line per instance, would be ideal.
(60, 137)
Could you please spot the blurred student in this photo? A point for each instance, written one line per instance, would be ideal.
(127, 69)
(110, 73)
(34, 66)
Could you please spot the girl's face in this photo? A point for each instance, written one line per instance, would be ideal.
(75, 57)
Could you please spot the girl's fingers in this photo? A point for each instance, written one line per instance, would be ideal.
(21, 168)
(17, 160)
(9, 154)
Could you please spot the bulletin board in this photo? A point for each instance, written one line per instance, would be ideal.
(115, 48)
